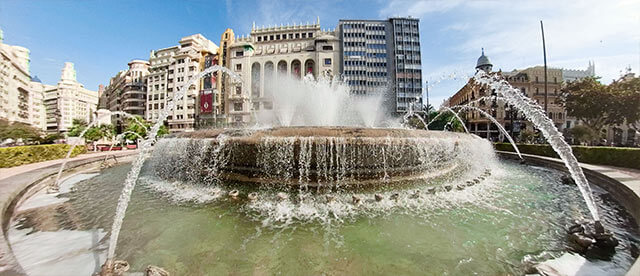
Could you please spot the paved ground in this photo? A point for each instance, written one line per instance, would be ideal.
(16, 179)
(9, 172)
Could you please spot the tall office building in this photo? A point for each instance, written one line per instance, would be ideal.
(408, 65)
(383, 56)
(170, 69)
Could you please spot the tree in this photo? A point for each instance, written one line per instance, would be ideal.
(591, 102)
(77, 126)
(446, 121)
(18, 131)
(626, 107)
(583, 134)
(98, 132)
(51, 138)
(134, 126)
(527, 136)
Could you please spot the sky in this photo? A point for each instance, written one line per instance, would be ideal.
(101, 37)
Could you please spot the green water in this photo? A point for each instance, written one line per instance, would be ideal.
(517, 214)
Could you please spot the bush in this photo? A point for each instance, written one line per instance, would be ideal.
(16, 156)
(612, 156)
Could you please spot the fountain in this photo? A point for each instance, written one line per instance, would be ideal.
(55, 187)
(320, 186)
(132, 176)
(495, 122)
(537, 116)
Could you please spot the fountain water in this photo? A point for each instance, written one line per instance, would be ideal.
(412, 113)
(132, 176)
(55, 187)
(495, 122)
(326, 101)
(537, 116)
(455, 115)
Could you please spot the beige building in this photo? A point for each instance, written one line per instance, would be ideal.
(68, 100)
(268, 53)
(21, 100)
(529, 81)
(127, 91)
(170, 69)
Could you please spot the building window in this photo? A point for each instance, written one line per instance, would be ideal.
(259, 38)
(310, 35)
(327, 48)
(238, 90)
(238, 67)
(327, 61)
(237, 107)
(239, 53)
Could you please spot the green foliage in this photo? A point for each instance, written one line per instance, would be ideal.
(590, 101)
(598, 105)
(18, 131)
(446, 120)
(133, 126)
(16, 156)
(77, 126)
(99, 132)
(612, 156)
(584, 134)
(51, 138)
(627, 102)
(527, 136)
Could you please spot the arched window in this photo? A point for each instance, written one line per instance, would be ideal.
(255, 79)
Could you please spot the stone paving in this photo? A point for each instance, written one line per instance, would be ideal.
(13, 181)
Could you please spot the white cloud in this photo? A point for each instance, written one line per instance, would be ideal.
(607, 32)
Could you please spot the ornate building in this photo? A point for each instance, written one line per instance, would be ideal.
(268, 53)
(529, 81)
(68, 100)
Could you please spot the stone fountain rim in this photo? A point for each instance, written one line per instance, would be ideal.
(322, 131)
(627, 193)
(8, 199)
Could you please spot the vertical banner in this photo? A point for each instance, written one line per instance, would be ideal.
(206, 102)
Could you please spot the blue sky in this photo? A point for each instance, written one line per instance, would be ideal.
(100, 37)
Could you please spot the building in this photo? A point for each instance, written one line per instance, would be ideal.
(170, 69)
(271, 52)
(21, 100)
(208, 111)
(38, 113)
(68, 100)
(224, 59)
(127, 91)
(569, 75)
(529, 81)
(383, 55)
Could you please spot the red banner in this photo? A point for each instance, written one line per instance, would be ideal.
(206, 102)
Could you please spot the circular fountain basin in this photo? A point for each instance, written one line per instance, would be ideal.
(316, 155)
(512, 216)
